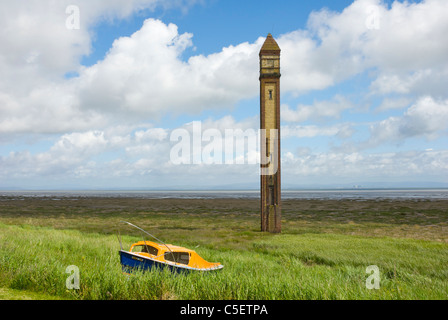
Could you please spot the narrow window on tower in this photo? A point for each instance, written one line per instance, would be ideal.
(271, 196)
(267, 148)
(270, 94)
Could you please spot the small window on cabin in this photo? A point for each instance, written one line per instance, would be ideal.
(145, 249)
(270, 94)
(179, 257)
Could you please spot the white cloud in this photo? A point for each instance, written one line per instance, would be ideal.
(406, 50)
(426, 118)
(420, 82)
(146, 75)
(301, 70)
(393, 103)
(35, 37)
(311, 131)
(157, 134)
(38, 50)
(319, 110)
(80, 144)
(321, 168)
(410, 37)
(129, 151)
(123, 156)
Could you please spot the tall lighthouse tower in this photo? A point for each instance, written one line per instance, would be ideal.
(270, 138)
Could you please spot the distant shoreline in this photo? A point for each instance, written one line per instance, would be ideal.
(302, 194)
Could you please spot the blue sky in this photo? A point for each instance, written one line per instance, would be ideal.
(89, 99)
(217, 24)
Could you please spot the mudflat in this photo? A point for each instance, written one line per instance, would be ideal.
(417, 219)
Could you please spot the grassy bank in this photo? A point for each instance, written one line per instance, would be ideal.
(322, 254)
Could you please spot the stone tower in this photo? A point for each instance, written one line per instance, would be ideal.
(270, 136)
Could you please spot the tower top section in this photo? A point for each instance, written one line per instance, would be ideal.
(270, 59)
(270, 46)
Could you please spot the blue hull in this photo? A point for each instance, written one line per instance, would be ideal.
(131, 262)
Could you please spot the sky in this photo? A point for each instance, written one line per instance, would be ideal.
(140, 94)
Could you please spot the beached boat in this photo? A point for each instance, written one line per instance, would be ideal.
(146, 255)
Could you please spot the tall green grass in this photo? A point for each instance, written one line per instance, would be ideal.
(282, 267)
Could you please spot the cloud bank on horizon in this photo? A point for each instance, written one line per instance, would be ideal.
(363, 96)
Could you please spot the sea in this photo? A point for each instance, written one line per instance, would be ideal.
(330, 194)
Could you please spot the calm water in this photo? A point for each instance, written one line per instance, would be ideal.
(366, 194)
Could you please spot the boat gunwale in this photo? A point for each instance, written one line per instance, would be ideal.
(173, 264)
